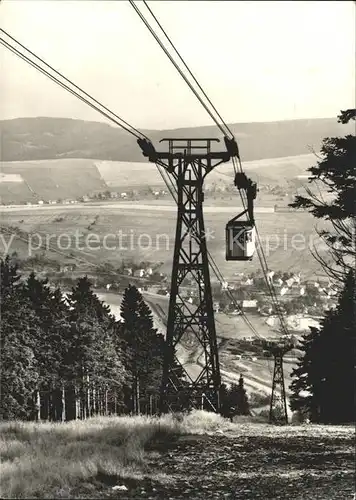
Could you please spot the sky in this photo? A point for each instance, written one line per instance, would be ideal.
(257, 61)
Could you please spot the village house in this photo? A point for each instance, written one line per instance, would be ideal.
(249, 305)
(297, 278)
(289, 282)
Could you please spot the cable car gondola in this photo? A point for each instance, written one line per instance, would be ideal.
(240, 240)
(241, 235)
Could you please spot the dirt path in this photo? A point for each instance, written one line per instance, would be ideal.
(245, 467)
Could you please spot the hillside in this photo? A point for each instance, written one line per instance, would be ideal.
(30, 181)
(200, 456)
(48, 180)
(49, 138)
(268, 171)
(277, 231)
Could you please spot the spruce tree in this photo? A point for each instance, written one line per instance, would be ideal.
(335, 173)
(19, 327)
(93, 361)
(52, 314)
(143, 346)
(238, 398)
(324, 379)
(225, 403)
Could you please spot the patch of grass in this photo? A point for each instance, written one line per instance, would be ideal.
(84, 459)
(40, 459)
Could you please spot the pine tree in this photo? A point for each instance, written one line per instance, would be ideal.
(19, 327)
(238, 398)
(324, 380)
(225, 406)
(144, 347)
(52, 315)
(93, 361)
(335, 172)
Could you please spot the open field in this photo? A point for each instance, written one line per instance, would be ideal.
(50, 180)
(199, 456)
(148, 234)
(30, 181)
(125, 175)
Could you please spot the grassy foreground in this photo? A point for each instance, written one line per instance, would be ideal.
(151, 457)
(45, 460)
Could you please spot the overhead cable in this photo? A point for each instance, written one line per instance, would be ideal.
(114, 118)
(151, 30)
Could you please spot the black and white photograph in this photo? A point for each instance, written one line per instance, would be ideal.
(177, 249)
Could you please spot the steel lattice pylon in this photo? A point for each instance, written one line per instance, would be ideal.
(190, 324)
(278, 407)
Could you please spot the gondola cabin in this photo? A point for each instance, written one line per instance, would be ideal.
(240, 240)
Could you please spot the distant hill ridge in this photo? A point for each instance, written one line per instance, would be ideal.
(56, 138)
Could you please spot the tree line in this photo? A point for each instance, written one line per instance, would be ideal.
(67, 357)
(323, 386)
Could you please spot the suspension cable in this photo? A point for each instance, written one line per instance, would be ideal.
(186, 66)
(214, 267)
(129, 128)
(264, 267)
(260, 252)
(151, 30)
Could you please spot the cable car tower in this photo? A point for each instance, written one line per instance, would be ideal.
(278, 404)
(189, 161)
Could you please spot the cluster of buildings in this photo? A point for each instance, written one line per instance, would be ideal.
(294, 285)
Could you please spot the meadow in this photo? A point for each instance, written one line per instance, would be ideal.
(287, 238)
(199, 455)
(70, 178)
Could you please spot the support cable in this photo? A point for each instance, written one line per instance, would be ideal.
(131, 130)
(186, 66)
(260, 252)
(151, 30)
(117, 119)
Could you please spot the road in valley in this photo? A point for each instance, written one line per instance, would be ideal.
(82, 207)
